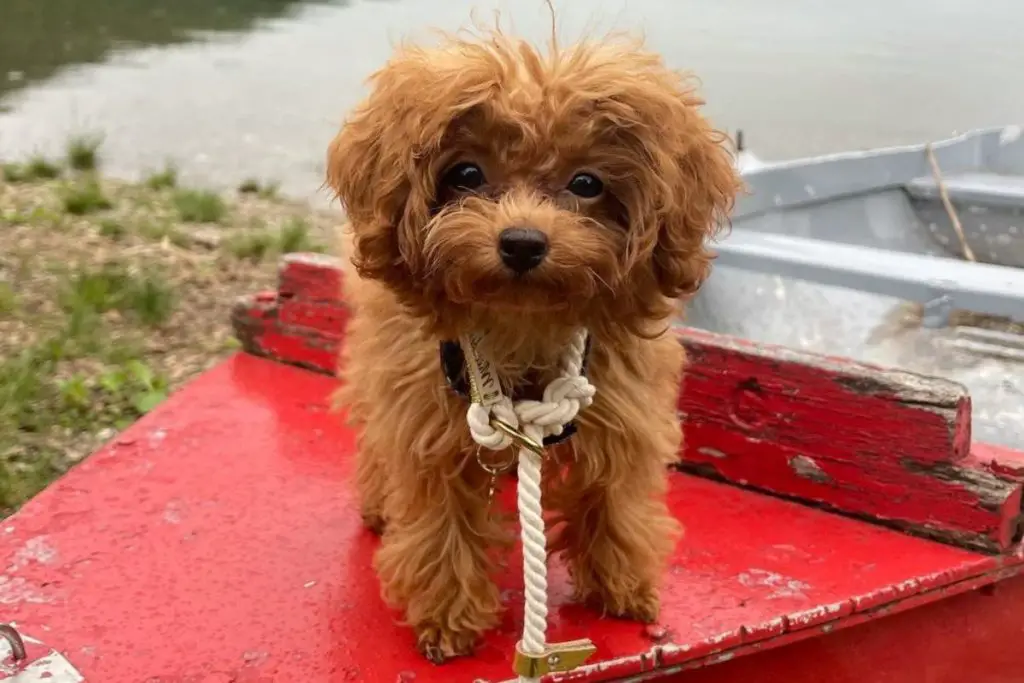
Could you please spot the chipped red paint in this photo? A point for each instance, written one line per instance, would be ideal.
(853, 437)
(218, 539)
(1003, 462)
(811, 427)
(973, 635)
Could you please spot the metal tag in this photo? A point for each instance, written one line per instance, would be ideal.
(483, 378)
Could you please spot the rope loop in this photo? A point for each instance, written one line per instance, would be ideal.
(562, 400)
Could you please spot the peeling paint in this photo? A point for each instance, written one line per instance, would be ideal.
(156, 437)
(712, 452)
(779, 585)
(819, 614)
(172, 512)
(805, 467)
(36, 549)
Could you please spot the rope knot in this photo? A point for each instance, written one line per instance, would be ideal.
(562, 400)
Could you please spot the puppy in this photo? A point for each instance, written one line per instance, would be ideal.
(497, 189)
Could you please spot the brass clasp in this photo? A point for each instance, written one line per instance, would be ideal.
(522, 439)
(556, 658)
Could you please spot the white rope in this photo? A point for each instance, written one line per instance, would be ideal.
(563, 398)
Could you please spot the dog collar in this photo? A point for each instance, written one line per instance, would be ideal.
(453, 365)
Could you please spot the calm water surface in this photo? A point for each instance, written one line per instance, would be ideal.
(230, 89)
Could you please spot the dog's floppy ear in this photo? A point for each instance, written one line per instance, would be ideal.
(701, 183)
(685, 183)
(368, 169)
(382, 162)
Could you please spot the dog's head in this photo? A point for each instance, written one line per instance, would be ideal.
(483, 179)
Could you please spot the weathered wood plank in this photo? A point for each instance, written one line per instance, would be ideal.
(859, 439)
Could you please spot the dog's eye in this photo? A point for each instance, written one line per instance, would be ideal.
(585, 185)
(466, 176)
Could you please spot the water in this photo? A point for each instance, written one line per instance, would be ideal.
(261, 96)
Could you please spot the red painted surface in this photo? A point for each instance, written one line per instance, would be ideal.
(854, 437)
(860, 439)
(218, 540)
(972, 637)
(1001, 461)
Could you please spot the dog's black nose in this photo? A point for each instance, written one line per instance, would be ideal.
(522, 249)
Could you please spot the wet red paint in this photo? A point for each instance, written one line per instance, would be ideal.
(970, 637)
(218, 539)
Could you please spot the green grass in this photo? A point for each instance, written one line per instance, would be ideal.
(35, 399)
(266, 190)
(199, 206)
(14, 173)
(158, 232)
(8, 299)
(112, 229)
(253, 246)
(20, 479)
(82, 152)
(36, 168)
(295, 237)
(90, 293)
(41, 168)
(88, 344)
(164, 179)
(261, 242)
(85, 197)
(151, 300)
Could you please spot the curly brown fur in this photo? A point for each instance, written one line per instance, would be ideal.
(425, 252)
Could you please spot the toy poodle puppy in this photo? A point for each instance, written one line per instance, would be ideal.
(520, 194)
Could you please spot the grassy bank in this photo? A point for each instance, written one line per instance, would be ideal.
(113, 294)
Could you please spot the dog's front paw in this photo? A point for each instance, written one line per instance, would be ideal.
(439, 645)
(641, 604)
(374, 522)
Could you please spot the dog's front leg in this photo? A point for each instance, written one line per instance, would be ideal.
(618, 531)
(433, 560)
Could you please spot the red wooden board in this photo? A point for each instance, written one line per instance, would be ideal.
(882, 444)
(971, 637)
(217, 540)
(886, 444)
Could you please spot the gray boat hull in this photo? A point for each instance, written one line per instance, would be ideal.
(907, 319)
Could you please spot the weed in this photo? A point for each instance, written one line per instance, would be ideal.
(41, 168)
(22, 478)
(21, 386)
(249, 186)
(199, 206)
(8, 299)
(93, 292)
(149, 389)
(112, 229)
(253, 186)
(83, 152)
(74, 393)
(85, 197)
(253, 246)
(14, 173)
(165, 179)
(294, 236)
(151, 299)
